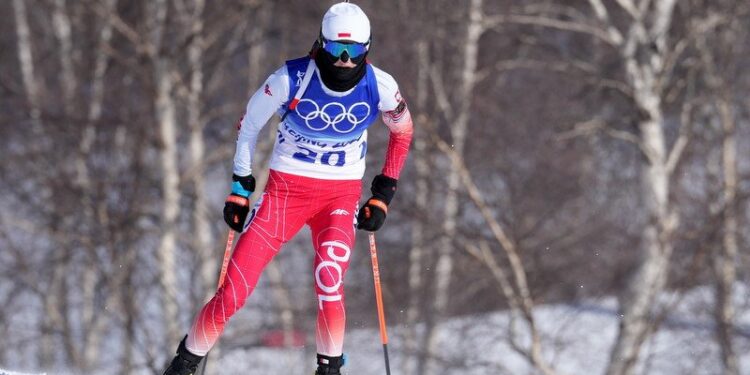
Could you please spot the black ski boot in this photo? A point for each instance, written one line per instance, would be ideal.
(184, 363)
(329, 365)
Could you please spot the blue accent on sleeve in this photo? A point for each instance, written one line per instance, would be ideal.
(239, 190)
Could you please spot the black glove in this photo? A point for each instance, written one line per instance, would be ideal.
(372, 215)
(237, 204)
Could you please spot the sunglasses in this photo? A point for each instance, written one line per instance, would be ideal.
(354, 50)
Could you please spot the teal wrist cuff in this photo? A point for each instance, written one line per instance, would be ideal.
(239, 190)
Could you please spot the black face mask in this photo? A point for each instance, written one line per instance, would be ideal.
(338, 78)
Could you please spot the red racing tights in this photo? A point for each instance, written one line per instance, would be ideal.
(290, 201)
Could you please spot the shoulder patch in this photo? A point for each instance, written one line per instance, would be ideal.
(399, 111)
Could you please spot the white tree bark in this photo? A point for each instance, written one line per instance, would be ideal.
(644, 51)
(32, 90)
(63, 30)
(725, 257)
(444, 266)
(204, 240)
(83, 179)
(91, 318)
(204, 244)
(31, 84)
(724, 262)
(517, 293)
(643, 74)
(416, 254)
(165, 107)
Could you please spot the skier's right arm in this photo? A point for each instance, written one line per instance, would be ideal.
(271, 95)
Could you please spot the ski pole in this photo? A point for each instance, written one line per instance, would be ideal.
(225, 263)
(379, 301)
(222, 275)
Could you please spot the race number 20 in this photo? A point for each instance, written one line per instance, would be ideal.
(332, 158)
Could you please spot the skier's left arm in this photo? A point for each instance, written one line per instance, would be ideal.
(396, 116)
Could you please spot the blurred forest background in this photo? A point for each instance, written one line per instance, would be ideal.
(565, 152)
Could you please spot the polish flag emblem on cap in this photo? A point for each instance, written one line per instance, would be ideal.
(346, 21)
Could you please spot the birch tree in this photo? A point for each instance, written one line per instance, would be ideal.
(648, 53)
(166, 119)
(203, 245)
(718, 60)
(29, 77)
(724, 262)
(32, 89)
(114, 114)
(417, 252)
(646, 75)
(62, 285)
(462, 114)
(91, 316)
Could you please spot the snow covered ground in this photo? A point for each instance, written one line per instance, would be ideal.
(6, 372)
(576, 341)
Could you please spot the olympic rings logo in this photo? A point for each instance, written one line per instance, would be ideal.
(331, 115)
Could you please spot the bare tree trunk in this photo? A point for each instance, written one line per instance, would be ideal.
(63, 30)
(167, 250)
(167, 124)
(725, 256)
(93, 336)
(61, 282)
(651, 275)
(51, 319)
(33, 96)
(444, 267)
(128, 295)
(416, 255)
(31, 84)
(204, 241)
(517, 293)
(724, 260)
(649, 279)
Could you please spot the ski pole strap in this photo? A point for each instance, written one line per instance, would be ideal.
(302, 87)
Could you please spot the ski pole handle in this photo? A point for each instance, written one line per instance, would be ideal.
(230, 240)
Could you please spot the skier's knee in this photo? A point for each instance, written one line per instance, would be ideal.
(231, 299)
